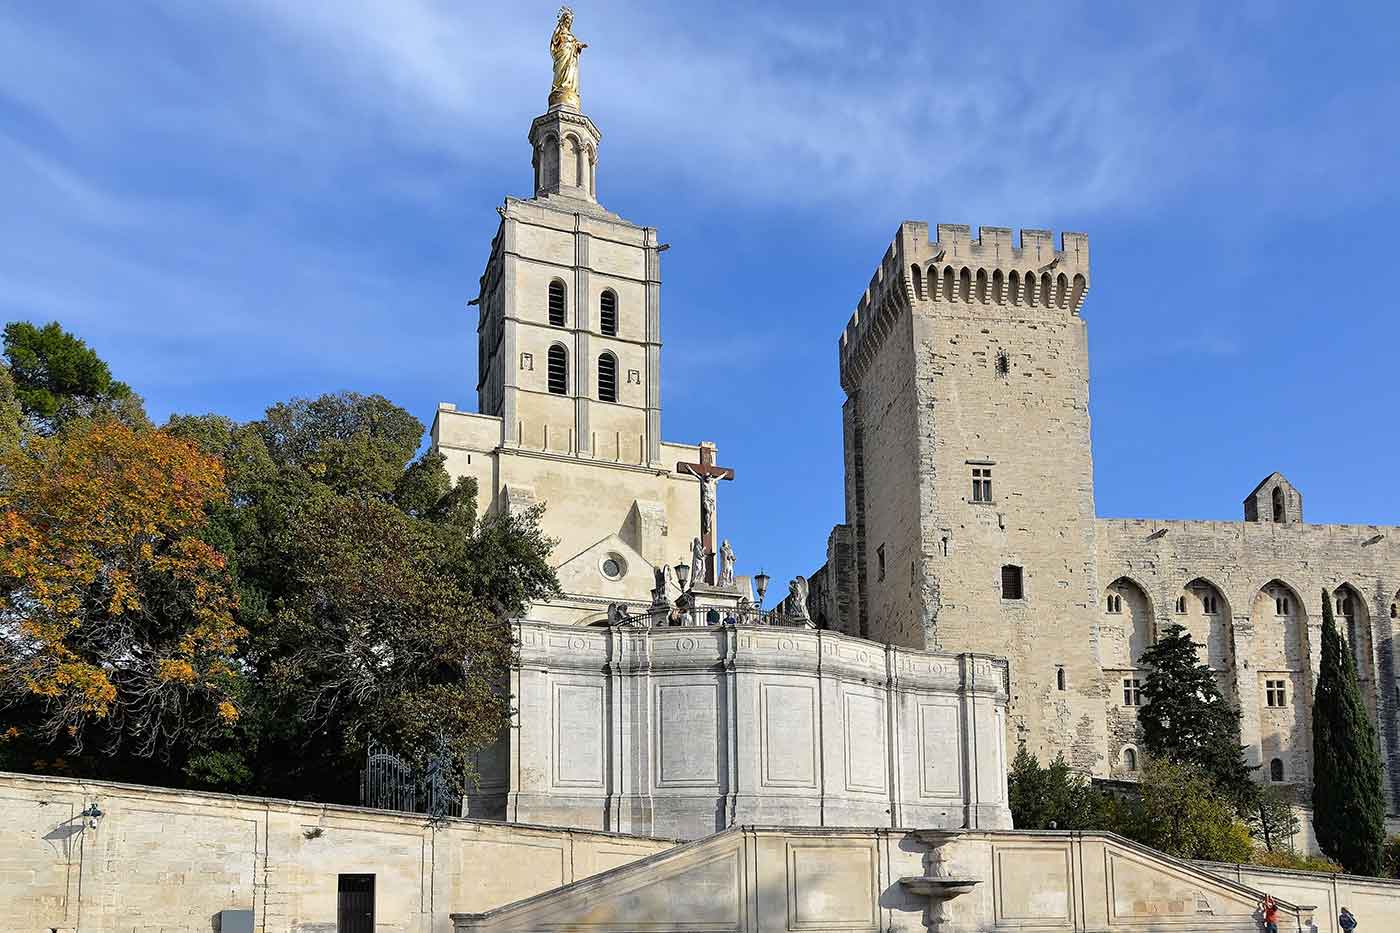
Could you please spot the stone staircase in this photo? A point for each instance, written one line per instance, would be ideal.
(753, 879)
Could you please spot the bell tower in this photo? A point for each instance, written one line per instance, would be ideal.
(569, 333)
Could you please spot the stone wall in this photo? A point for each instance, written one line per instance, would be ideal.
(1374, 901)
(168, 860)
(683, 731)
(1262, 582)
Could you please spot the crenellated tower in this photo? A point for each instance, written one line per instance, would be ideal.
(969, 478)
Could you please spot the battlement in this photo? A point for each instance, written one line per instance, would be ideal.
(954, 267)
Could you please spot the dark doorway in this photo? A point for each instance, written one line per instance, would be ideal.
(356, 914)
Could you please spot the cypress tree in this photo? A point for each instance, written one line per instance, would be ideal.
(1348, 802)
(1185, 718)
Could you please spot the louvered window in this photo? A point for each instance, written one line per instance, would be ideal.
(558, 370)
(558, 304)
(607, 314)
(607, 378)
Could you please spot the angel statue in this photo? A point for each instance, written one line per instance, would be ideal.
(726, 564)
(797, 600)
(565, 50)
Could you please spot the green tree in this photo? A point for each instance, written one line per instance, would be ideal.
(59, 378)
(1348, 801)
(1185, 718)
(1272, 820)
(1179, 810)
(1055, 797)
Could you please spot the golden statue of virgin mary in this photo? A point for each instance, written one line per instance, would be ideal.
(565, 50)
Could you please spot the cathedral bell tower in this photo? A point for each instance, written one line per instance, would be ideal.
(569, 335)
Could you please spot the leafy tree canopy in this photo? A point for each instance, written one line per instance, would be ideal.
(1185, 718)
(58, 378)
(116, 616)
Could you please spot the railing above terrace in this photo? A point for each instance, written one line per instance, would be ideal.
(703, 616)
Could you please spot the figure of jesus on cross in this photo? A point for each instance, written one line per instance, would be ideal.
(709, 476)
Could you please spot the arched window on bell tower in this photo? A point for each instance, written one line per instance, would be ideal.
(558, 370)
(607, 313)
(558, 304)
(607, 378)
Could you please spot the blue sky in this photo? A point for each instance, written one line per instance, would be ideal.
(238, 202)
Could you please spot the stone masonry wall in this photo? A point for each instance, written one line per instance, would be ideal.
(1267, 580)
(168, 860)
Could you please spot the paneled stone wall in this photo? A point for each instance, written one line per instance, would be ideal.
(688, 730)
(168, 860)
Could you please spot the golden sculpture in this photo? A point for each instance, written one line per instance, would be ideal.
(565, 50)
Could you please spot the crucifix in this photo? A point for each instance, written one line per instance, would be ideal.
(709, 476)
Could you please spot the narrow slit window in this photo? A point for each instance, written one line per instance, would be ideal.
(607, 313)
(880, 561)
(558, 370)
(558, 304)
(607, 378)
(1059, 678)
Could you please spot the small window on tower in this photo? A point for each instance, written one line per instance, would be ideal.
(1181, 605)
(607, 313)
(1011, 583)
(558, 370)
(1275, 694)
(1115, 603)
(607, 378)
(1059, 678)
(558, 306)
(981, 484)
(880, 561)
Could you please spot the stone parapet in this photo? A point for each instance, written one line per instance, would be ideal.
(689, 730)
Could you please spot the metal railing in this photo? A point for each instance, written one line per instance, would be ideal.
(705, 616)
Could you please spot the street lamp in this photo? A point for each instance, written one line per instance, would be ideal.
(682, 573)
(761, 580)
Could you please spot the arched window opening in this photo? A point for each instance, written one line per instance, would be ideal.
(1129, 759)
(607, 313)
(998, 287)
(1029, 281)
(918, 282)
(1012, 584)
(1080, 283)
(558, 370)
(1013, 287)
(1059, 678)
(1395, 610)
(1181, 605)
(558, 304)
(1062, 290)
(982, 286)
(1276, 770)
(1115, 603)
(965, 284)
(1047, 290)
(1279, 511)
(931, 280)
(948, 283)
(607, 378)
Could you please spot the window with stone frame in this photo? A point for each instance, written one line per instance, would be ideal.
(1210, 604)
(558, 378)
(982, 484)
(1275, 694)
(1012, 584)
(1276, 770)
(607, 313)
(1181, 605)
(1115, 603)
(1281, 605)
(1132, 691)
(558, 304)
(1130, 759)
(607, 378)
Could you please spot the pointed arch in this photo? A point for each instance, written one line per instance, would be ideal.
(1013, 287)
(1280, 680)
(1207, 615)
(1129, 626)
(1062, 290)
(932, 279)
(949, 283)
(965, 284)
(982, 286)
(1354, 621)
(999, 287)
(916, 278)
(1081, 285)
(1029, 280)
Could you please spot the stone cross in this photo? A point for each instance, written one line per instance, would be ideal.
(709, 476)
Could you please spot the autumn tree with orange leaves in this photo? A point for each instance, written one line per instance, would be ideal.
(117, 617)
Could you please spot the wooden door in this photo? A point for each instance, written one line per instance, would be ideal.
(356, 912)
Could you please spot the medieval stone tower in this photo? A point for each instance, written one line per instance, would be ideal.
(969, 481)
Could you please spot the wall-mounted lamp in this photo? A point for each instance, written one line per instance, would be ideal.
(92, 814)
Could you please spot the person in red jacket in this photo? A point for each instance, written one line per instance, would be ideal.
(1269, 907)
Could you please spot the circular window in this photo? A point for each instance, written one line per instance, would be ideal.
(613, 567)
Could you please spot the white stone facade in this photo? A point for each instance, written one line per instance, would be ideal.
(684, 731)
